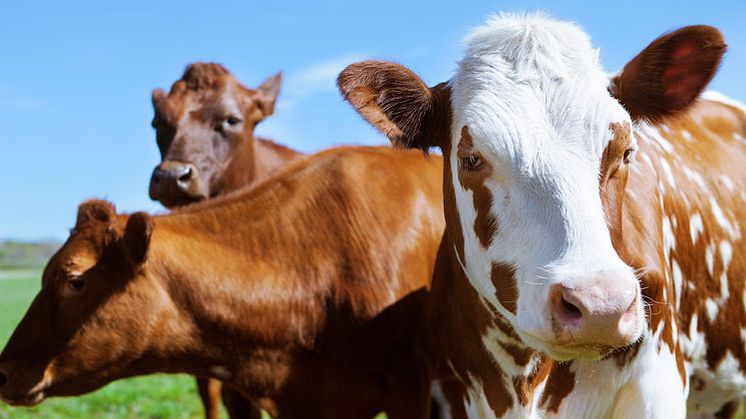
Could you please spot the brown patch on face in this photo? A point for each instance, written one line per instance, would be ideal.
(560, 383)
(472, 178)
(614, 173)
(503, 278)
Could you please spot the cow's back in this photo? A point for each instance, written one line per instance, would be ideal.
(685, 221)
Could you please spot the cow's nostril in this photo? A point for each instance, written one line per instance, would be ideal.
(570, 308)
(3, 379)
(187, 175)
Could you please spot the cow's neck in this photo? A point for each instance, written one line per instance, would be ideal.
(235, 291)
(255, 160)
(270, 157)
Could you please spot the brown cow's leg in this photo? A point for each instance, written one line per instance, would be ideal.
(209, 392)
(238, 406)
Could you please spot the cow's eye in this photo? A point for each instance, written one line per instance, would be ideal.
(628, 155)
(76, 284)
(232, 120)
(470, 163)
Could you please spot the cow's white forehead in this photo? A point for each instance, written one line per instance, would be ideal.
(527, 84)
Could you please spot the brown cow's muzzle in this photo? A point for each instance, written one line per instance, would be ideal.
(176, 183)
(20, 391)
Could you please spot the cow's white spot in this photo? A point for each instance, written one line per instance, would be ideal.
(728, 182)
(711, 308)
(669, 174)
(678, 279)
(717, 212)
(710, 258)
(695, 177)
(695, 226)
(652, 133)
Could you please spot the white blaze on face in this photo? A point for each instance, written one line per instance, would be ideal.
(535, 102)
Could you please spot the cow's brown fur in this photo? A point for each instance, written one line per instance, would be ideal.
(318, 311)
(246, 161)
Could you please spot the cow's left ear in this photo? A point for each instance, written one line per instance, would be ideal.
(266, 94)
(398, 103)
(668, 75)
(136, 239)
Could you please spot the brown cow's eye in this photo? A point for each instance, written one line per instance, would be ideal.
(76, 284)
(232, 120)
(471, 163)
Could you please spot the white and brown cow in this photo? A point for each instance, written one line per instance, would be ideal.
(591, 219)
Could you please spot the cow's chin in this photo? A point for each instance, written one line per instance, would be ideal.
(32, 398)
(564, 352)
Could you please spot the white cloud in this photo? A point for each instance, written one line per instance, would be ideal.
(315, 78)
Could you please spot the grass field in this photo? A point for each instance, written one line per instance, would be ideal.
(155, 396)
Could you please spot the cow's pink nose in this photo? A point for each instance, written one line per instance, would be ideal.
(602, 309)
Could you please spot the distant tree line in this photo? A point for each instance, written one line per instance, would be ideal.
(26, 254)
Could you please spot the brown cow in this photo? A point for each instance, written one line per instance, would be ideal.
(305, 292)
(559, 246)
(205, 134)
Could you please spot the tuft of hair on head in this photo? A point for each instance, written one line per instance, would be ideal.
(95, 211)
(201, 75)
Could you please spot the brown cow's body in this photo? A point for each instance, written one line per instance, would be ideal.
(185, 121)
(314, 310)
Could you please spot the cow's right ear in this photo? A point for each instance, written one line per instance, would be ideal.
(398, 103)
(135, 241)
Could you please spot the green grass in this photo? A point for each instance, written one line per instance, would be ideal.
(155, 396)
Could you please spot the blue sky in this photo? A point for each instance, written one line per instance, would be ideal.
(76, 77)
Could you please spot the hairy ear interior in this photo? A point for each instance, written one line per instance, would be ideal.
(266, 95)
(668, 75)
(397, 102)
(136, 238)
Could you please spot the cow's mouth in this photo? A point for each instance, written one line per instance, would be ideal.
(567, 351)
(170, 201)
(31, 398)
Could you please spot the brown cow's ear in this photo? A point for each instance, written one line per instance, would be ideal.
(266, 95)
(95, 210)
(157, 97)
(398, 103)
(668, 75)
(136, 239)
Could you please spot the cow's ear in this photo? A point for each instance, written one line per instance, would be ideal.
(95, 210)
(136, 238)
(157, 97)
(668, 75)
(398, 103)
(266, 94)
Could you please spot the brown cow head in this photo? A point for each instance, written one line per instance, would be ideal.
(536, 151)
(95, 312)
(205, 132)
